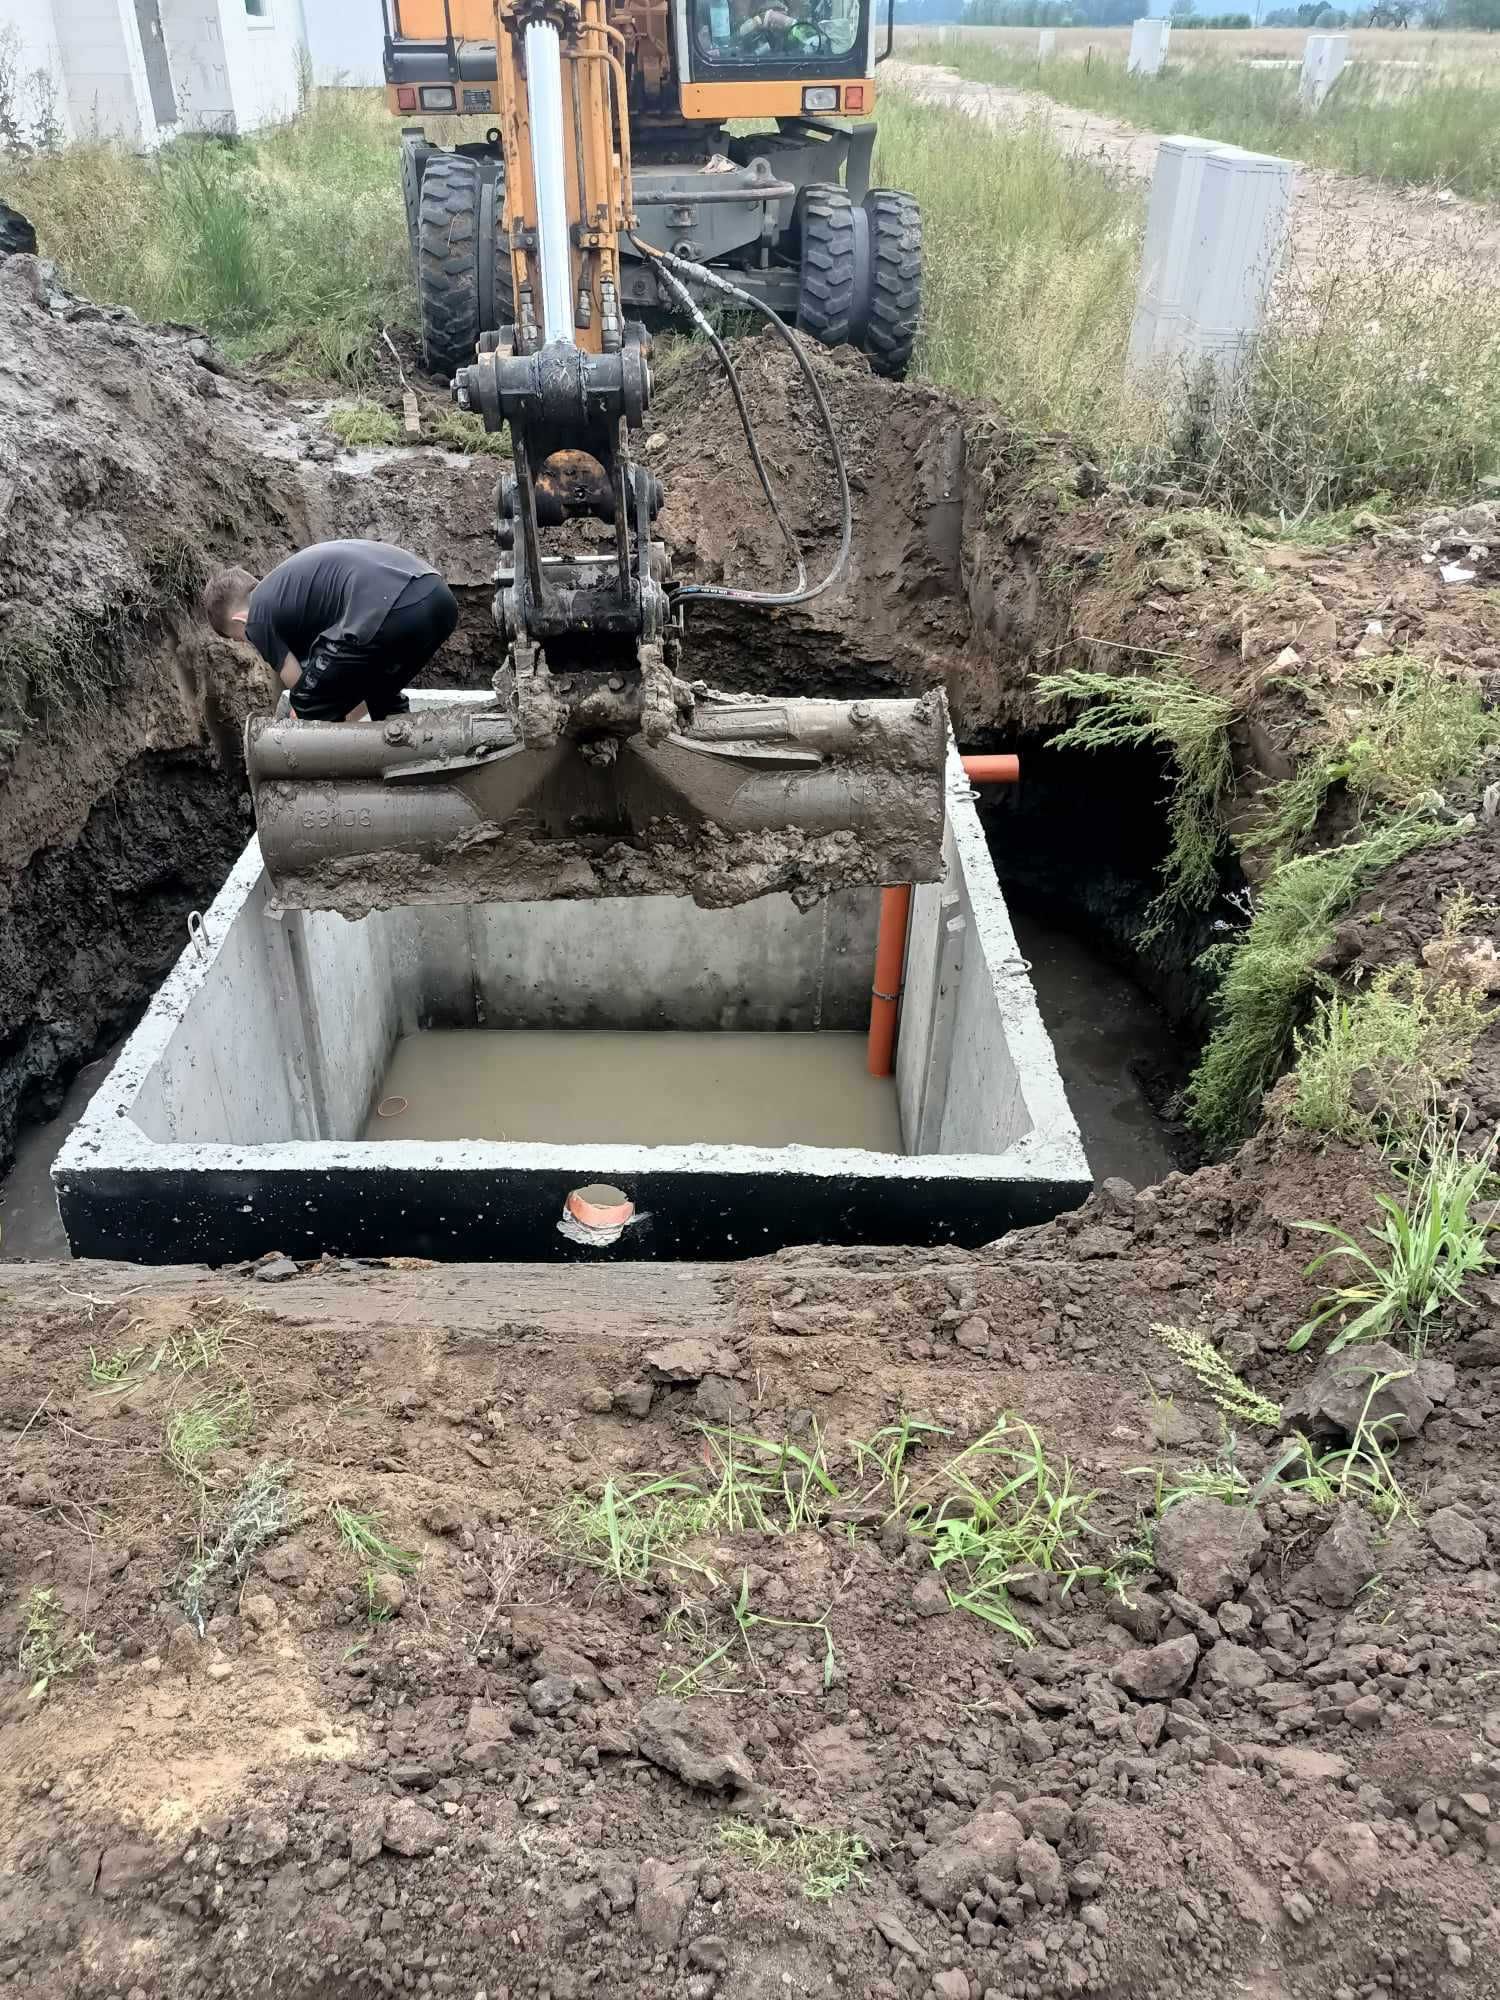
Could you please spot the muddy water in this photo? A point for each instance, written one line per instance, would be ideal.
(30, 1225)
(646, 1089)
(1110, 1040)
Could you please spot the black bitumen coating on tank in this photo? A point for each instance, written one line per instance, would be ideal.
(458, 1214)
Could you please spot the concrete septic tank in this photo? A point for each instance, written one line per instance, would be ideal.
(233, 1120)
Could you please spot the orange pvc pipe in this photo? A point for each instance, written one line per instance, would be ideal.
(1003, 770)
(890, 961)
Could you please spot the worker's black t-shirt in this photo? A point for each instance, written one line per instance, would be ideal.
(336, 592)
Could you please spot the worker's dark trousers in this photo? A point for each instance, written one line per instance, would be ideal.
(333, 682)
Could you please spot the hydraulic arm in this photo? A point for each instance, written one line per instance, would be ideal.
(598, 770)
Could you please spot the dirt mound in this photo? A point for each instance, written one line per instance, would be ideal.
(784, 1759)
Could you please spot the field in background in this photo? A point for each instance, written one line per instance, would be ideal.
(1393, 46)
(290, 244)
(1419, 126)
(1377, 384)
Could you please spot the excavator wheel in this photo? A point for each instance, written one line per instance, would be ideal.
(894, 223)
(415, 153)
(825, 233)
(861, 272)
(463, 283)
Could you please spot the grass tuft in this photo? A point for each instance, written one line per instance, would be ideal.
(46, 1654)
(1377, 1059)
(363, 424)
(200, 1429)
(1426, 1246)
(1167, 710)
(259, 1510)
(1268, 973)
(1009, 1512)
(364, 1537)
(1393, 739)
(1235, 1398)
(462, 430)
(823, 1861)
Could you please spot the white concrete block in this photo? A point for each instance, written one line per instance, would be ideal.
(1322, 61)
(1046, 44)
(1148, 45)
(1215, 232)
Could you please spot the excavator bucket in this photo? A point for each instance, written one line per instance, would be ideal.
(448, 805)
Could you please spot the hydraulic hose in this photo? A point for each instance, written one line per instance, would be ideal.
(674, 270)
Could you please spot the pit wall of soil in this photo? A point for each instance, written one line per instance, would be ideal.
(133, 462)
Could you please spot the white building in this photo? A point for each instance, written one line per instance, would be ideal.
(346, 40)
(142, 71)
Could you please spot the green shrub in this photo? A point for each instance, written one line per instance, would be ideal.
(1267, 974)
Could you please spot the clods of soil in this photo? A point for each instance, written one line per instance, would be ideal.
(1263, 1755)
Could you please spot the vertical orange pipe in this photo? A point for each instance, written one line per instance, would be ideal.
(890, 960)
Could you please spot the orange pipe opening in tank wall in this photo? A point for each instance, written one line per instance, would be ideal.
(890, 940)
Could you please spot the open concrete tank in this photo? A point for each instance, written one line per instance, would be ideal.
(437, 1081)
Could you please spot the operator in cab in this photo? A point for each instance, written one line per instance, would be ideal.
(344, 624)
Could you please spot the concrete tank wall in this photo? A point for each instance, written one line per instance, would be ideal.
(229, 1123)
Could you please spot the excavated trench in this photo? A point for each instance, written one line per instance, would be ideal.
(97, 882)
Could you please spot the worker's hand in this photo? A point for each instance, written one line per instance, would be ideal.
(291, 671)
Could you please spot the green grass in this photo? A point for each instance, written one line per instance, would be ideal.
(1018, 237)
(1425, 1247)
(1268, 974)
(1437, 129)
(1390, 735)
(1008, 1510)
(1375, 1059)
(1165, 709)
(462, 430)
(1377, 381)
(822, 1861)
(201, 1429)
(364, 1537)
(364, 424)
(1361, 1470)
(753, 1485)
(261, 1508)
(1234, 1397)
(46, 1654)
(289, 244)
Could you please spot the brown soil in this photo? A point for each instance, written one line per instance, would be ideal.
(466, 1796)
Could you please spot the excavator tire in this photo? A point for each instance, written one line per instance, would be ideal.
(448, 262)
(825, 291)
(894, 222)
(415, 154)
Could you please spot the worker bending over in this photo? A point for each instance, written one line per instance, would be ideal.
(342, 623)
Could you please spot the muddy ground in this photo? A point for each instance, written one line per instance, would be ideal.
(1267, 1763)
(1270, 1765)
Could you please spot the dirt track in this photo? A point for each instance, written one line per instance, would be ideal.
(1336, 219)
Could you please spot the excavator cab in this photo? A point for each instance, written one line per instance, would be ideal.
(598, 768)
(788, 213)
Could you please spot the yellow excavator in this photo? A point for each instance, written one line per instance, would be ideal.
(598, 769)
(786, 211)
